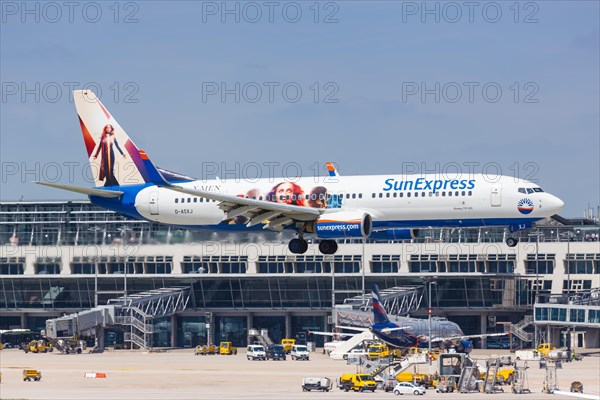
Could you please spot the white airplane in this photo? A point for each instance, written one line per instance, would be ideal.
(330, 207)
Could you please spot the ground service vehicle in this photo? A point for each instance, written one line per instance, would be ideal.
(322, 384)
(287, 344)
(299, 352)
(544, 348)
(505, 376)
(419, 379)
(445, 386)
(357, 382)
(275, 352)
(408, 388)
(256, 352)
(227, 349)
(31, 375)
(35, 346)
(378, 350)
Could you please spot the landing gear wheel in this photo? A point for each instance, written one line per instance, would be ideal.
(298, 246)
(328, 247)
(511, 242)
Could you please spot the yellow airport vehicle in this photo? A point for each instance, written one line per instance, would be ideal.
(357, 382)
(227, 349)
(35, 346)
(201, 350)
(421, 379)
(544, 348)
(31, 375)
(287, 344)
(378, 350)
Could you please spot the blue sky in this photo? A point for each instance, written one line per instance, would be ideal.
(368, 58)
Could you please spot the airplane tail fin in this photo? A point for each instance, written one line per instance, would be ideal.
(114, 159)
(379, 314)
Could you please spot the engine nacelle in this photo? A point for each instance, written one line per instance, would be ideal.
(343, 224)
(395, 234)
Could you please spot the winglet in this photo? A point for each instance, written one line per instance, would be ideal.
(331, 169)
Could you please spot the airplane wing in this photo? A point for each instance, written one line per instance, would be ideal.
(441, 339)
(353, 328)
(385, 330)
(319, 333)
(257, 211)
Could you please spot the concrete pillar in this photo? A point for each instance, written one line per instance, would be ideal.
(288, 325)
(483, 329)
(173, 330)
(24, 321)
(100, 338)
(250, 326)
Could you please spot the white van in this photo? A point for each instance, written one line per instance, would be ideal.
(256, 352)
(299, 352)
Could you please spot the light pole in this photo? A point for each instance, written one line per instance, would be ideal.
(429, 311)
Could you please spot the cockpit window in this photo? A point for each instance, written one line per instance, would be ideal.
(522, 190)
(529, 190)
(538, 190)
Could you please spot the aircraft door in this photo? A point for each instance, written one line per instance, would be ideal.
(153, 202)
(496, 196)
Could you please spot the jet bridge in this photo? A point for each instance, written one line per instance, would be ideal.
(136, 313)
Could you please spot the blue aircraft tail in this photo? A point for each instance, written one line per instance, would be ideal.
(379, 314)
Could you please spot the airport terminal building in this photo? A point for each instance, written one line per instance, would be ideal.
(61, 257)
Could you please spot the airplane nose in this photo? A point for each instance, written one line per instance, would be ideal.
(555, 204)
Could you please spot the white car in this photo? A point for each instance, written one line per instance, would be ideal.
(299, 352)
(256, 352)
(408, 388)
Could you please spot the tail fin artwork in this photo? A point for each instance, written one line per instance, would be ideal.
(379, 314)
(331, 169)
(114, 159)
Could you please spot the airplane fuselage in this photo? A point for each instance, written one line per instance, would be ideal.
(394, 202)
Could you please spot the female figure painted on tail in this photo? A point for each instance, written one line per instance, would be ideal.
(107, 163)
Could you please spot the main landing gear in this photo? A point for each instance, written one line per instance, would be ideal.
(299, 246)
(512, 242)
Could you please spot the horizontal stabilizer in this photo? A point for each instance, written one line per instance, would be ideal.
(85, 190)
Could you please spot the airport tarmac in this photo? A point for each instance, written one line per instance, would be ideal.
(178, 374)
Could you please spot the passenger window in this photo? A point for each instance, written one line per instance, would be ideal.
(189, 199)
(353, 195)
(401, 194)
(387, 194)
(373, 196)
(456, 193)
(423, 194)
(470, 193)
(463, 192)
(195, 199)
(380, 195)
(408, 194)
(395, 194)
(176, 200)
(360, 195)
(449, 193)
